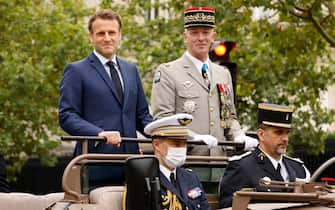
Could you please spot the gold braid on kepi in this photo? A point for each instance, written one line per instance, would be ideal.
(171, 200)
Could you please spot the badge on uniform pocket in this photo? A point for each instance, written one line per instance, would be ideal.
(194, 193)
(189, 106)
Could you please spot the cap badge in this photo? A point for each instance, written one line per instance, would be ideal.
(184, 121)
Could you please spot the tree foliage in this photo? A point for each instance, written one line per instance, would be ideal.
(283, 58)
(37, 39)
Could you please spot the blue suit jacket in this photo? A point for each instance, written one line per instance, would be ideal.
(191, 195)
(88, 104)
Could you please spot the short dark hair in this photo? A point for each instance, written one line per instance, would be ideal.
(105, 14)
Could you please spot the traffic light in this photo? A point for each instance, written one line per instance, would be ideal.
(219, 53)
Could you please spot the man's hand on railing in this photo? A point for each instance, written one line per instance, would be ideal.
(112, 137)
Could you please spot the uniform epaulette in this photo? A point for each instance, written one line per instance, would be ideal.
(239, 157)
(294, 159)
(188, 169)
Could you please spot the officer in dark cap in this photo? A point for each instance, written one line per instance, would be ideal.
(268, 160)
(180, 188)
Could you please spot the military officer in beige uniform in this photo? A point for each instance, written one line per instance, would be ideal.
(195, 85)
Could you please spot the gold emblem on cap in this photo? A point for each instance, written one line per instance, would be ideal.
(184, 121)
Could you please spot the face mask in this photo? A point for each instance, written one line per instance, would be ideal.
(175, 157)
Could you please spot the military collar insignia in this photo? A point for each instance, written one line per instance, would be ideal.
(261, 156)
(157, 77)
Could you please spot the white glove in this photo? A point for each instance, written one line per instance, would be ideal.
(211, 141)
(249, 141)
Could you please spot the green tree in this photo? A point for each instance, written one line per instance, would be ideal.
(283, 58)
(37, 38)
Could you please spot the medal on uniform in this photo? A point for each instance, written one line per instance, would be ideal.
(226, 104)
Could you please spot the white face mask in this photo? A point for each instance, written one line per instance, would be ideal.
(175, 157)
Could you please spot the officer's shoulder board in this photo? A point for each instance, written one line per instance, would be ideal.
(239, 157)
(188, 169)
(294, 159)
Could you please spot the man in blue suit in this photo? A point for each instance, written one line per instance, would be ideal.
(180, 188)
(102, 95)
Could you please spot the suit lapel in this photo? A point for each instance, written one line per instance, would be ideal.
(125, 79)
(97, 65)
(291, 173)
(169, 186)
(193, 72)
(214, 74)
(182, 186)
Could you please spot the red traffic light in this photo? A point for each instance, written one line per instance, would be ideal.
(219, 51)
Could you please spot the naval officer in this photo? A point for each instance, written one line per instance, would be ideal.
(180, 188)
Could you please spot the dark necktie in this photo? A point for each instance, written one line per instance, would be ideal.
(204, 72)
(278, 170)
(115, 79)
(174, 181)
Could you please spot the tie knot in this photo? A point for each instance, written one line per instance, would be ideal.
(204, 67)
(278, 168)
(172, 177)
(110, 64)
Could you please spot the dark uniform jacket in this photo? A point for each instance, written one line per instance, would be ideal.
(3, 182)
(248, 169)
(191, 195)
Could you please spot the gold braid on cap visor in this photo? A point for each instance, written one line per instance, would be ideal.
(167, 131)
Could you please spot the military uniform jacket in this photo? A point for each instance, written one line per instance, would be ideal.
(246, 171)
(180, 88)
(190, 195)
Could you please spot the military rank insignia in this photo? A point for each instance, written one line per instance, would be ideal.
(157, 77)
(226, 104)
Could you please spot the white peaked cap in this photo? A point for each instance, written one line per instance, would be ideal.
(174, 126)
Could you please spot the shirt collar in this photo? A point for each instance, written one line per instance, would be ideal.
(102, 59)
(198, 63)
(273, 161)
(166, 172)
